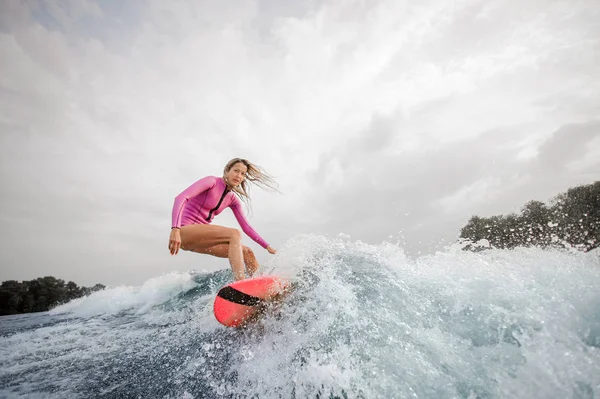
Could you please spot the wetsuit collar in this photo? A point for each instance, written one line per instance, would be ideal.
(225, 184)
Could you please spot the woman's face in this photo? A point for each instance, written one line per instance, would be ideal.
(237, 174)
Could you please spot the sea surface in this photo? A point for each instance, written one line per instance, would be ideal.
(363, 321)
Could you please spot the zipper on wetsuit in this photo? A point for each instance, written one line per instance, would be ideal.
(218, 205)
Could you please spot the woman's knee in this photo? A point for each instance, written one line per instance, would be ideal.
(235, 235)
(247, 251)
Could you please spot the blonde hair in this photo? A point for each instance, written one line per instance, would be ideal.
(255, 175)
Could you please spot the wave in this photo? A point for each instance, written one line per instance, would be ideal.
(362, 321)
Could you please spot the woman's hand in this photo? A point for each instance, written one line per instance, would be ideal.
(174, 241)
(271, 250)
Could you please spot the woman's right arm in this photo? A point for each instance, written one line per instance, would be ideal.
(174, 241)
(179, 204)
(195, 189)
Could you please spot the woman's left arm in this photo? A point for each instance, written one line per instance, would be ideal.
(236, 207)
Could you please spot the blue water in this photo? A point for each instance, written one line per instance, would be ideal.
(363, 322)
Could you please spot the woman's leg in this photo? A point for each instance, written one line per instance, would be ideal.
(201, 237)
(250, 261)
(222, 251)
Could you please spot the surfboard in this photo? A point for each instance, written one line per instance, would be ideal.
(241, 301)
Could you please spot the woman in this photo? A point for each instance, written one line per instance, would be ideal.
(197, 206)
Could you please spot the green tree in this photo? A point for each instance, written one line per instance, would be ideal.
(580, 215)
(10, 297)
(535, 219)
(72, 291)
(39, 295)
(572, 219)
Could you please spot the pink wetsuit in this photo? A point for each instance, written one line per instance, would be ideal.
(205, 199)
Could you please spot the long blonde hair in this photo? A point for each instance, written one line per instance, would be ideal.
(255, 175)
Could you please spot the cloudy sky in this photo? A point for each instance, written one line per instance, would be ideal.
(383, 120)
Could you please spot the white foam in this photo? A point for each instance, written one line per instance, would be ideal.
(456, 323)
(364, 321)
(141, 299)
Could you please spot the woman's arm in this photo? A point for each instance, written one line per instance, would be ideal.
(236, 207)
(195, 189)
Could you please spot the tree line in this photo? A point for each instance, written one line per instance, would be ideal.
(39, 295)
(571, 219)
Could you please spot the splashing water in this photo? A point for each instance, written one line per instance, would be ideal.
(362, 322)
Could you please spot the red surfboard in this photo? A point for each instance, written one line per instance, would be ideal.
(238, 302)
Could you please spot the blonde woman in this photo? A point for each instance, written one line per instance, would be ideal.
(195, 208)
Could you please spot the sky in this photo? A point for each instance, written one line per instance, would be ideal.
(381, 120)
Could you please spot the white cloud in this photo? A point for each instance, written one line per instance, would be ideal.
(365, 111)
(469, 195)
